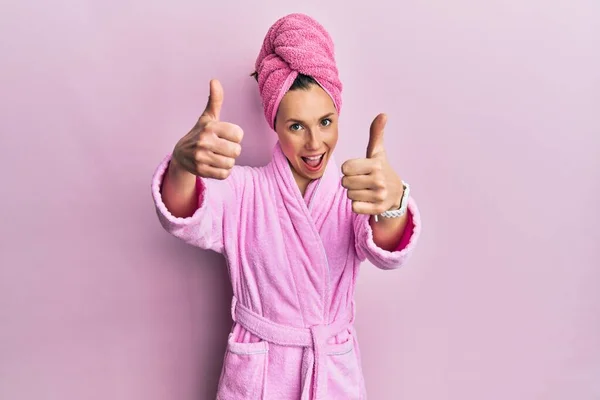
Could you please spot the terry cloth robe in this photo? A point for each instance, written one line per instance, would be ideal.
(293, 263)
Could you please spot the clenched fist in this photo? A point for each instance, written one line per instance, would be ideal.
(210, 149)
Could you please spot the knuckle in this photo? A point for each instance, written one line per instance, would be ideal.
(382, 194)
(237, 150)
(223, 173)
(234, 132)
(202, 133)
(345, 168)
(200, 170)
(203, 139)
(240, 134)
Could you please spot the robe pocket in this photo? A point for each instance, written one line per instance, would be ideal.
(344, 376)
(244, 371)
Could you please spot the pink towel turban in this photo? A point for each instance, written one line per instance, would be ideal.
(295, 44)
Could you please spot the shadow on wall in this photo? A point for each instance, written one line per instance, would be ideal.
(209, 298)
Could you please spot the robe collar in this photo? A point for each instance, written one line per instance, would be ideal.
(319, 193)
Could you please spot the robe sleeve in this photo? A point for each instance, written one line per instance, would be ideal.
(204, 228)
(367, 249)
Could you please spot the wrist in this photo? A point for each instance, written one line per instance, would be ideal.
(177, 171)
(400, 207)
(398, 200)
(397, 204)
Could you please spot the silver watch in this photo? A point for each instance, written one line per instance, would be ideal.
(403, 205)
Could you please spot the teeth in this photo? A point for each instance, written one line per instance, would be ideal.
(314, 158)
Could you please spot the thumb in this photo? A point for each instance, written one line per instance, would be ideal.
(215, 101)
(376, 136)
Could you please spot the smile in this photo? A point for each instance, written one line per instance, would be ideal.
(314, 163)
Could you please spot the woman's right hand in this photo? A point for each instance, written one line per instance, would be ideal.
(210, 149)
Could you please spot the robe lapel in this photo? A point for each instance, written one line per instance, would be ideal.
(304, 245)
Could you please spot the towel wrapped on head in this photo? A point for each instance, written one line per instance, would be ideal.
(295, 44)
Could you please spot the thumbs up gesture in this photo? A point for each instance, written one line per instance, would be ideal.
(372, 184)
(210, 149)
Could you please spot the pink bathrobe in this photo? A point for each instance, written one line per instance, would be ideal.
(293, 264)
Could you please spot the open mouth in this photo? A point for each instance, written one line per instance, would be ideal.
(314, 163)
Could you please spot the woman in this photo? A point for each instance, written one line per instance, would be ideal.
(293, 232)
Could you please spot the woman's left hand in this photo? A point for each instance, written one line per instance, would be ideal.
(373, 185)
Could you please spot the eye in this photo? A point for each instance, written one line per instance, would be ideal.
(295, 127)
(326, 122)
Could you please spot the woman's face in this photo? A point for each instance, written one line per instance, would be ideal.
(307, 126)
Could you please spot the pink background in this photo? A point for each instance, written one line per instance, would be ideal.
(493, 117)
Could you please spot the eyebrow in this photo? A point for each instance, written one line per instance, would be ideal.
(298, 120)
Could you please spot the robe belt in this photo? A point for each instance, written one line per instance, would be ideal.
(313, 339)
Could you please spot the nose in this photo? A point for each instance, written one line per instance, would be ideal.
(313, 140)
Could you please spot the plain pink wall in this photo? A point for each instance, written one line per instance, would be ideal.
(494, 111)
